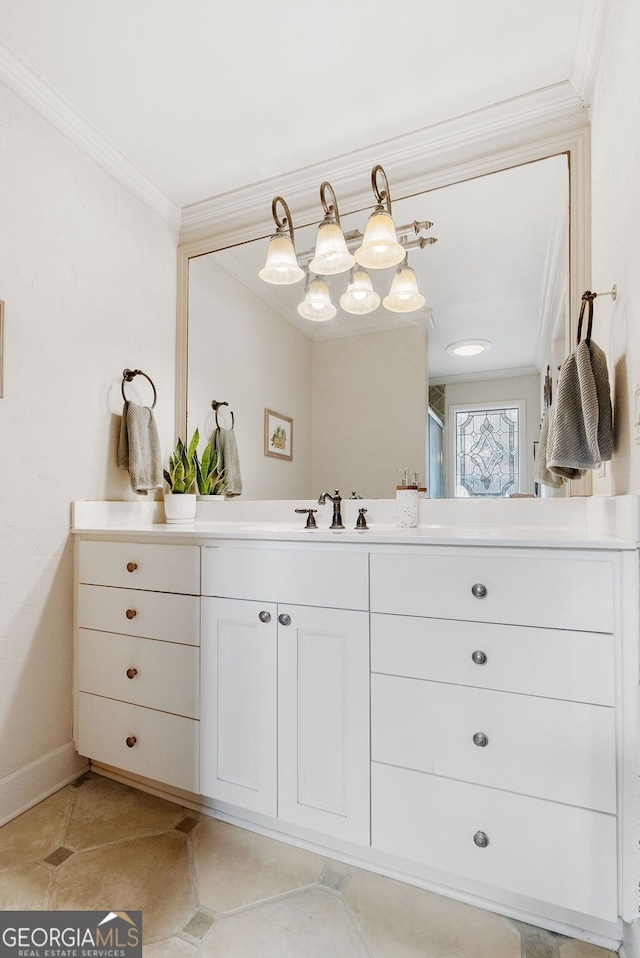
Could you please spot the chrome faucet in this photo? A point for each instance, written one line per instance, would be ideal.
(336, 499)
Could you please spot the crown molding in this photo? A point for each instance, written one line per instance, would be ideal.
(524, 127)
(18, 77)
(591, 33)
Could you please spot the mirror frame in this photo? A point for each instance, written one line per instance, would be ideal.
(473, 155)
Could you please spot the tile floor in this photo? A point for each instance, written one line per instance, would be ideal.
(211, 890)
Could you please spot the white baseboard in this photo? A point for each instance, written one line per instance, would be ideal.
(29, 785)
(630, 940)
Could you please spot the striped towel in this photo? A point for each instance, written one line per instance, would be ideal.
(139, 448)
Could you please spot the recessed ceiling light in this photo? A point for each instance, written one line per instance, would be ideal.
(468, 347)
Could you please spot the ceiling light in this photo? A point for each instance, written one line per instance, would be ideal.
(360, 297)
(468, 347)
(332, 255)
(404, 295)
(380, 247)
(281, 267)
(317, 305)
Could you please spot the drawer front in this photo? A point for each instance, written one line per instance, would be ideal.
(337, 580)
(154, 615)
(544, 591)
(560, 664)
(158, 675)
(553, 853)
(165, 747)
(563, 751)
(139, 565)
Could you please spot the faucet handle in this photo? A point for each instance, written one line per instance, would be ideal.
(311, 519)
(361, 522)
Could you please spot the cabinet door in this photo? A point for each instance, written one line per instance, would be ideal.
(323, 720)
(238, 690)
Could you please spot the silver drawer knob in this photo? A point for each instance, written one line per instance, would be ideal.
(479, 590)
(480, 739)
(284, 619)
(265, 617)
(479, 657)
(481, 839)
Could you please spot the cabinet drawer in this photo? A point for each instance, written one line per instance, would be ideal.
(170, 618)
(563, 751)
(560, 593)
(136, 565)
(165, 747)
(158, 675)
(553, 853)
(337, 580)
(560, 664)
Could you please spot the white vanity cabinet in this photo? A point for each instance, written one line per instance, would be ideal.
(137, 659)
(285, 685)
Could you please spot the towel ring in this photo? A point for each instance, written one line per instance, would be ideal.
(129, 374)
(215, 406)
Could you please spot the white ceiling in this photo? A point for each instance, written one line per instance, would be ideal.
(204, 97)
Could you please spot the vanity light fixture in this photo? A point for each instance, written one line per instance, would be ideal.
(380, 247)
(468, 347)
(360, 297)
(331, 255)
(317, 304)
(281, 267)
(404, 295)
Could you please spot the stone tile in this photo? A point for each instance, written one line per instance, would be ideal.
(537, 942)
(401, 921)
(148, 874)
(107, 811)
(199, 924)
(24, 887)
(582, 949)
(236, 867)
(333, 878)
(170, 948)
(59, 856)
(310, 924)
(187, 825)
(36, 833)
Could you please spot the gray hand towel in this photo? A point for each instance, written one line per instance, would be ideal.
(139, 448)
(541, 472)
(224, 443)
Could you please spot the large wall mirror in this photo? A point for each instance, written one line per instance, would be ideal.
(369, 395)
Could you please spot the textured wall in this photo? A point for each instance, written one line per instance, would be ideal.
(88, 278)
(615, 233)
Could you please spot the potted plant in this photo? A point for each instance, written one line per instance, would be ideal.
(180, 500)
(210, 481)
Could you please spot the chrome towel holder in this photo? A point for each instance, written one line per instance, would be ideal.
(129, 374)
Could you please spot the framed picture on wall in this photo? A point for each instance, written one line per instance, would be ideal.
(278, 435)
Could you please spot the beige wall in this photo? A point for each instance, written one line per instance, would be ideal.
(88, 281)
(243, 352)
(615, 232)
(368, 411)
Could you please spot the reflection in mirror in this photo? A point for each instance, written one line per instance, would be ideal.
(372, 394)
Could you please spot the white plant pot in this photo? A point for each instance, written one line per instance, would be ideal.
(179, 507)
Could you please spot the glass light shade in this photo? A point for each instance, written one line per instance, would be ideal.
(360, 296)
(317, 304)
(468, 347)
(331, 255)
(281, 268)
(380, 247)
(404, 295)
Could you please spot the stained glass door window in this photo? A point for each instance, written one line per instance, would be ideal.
(487, 455)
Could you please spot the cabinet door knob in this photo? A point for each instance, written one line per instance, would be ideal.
(131, 673)
(131, 741)
(265, 617)
(480, 739)
(479, 657)
(284, 619)
(481, 839)
(132, 566)
(479, 590)
(131, 613)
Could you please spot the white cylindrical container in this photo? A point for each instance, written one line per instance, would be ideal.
(406, 507)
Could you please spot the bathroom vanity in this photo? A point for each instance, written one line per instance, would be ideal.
(454, 705)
